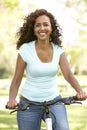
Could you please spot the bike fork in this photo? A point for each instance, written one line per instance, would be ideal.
(48, 123)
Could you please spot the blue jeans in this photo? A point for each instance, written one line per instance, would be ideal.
(30, 119)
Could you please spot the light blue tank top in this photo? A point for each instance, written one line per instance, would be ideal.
(41, 78)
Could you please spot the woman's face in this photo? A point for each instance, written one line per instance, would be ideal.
(42, 28)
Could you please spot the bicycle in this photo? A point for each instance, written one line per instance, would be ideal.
(66, 100)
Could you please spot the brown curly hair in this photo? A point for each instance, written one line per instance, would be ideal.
(26, 32)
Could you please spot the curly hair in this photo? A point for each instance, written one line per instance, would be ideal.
(26, 32)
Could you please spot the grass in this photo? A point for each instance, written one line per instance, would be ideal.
(77, 116)
(7, 121)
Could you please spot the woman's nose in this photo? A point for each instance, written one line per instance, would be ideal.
(42, 27)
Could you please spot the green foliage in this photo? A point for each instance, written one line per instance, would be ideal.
(85, 1)
(74, 52)
(83, 34)
(9, 21)
(70, 3)
(75, 56)
(11, 3)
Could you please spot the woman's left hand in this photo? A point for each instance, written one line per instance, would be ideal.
(82, 95)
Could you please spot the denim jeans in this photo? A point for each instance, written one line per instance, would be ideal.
(31, 118)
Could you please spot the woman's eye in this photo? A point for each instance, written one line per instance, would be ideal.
(37, 25)
(44, 25)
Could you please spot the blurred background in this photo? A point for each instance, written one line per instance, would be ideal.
(72, 17)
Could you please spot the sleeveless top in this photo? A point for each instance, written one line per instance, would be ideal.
(41, 77)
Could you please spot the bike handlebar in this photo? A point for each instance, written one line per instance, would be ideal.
(66, 100)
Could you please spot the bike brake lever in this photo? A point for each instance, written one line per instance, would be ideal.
(73, 100)
(21, 107)
(13, 111)
(77, 102)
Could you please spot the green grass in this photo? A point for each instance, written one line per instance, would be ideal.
(7, 121)
(77, 116)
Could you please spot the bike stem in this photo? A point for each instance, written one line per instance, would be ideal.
(48, 119)
(46, 110)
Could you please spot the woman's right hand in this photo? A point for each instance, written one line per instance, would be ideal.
(12, 104)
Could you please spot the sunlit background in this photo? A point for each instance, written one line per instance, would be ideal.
(72, 17)
(65, 16)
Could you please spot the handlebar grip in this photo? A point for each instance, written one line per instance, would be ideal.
(75, 98)
(6, 106)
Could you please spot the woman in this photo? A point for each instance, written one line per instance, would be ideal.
(41, 54)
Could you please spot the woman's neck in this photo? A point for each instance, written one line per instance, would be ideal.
(43, 44)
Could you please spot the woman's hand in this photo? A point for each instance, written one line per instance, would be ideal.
(82, 95)
(12, 104)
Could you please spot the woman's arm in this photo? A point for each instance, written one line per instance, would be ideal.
(19, 71)
(68, 75)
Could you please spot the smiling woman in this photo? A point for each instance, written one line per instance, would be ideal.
(42, 27)
(42, 30)
(41, 54)
(28, 28)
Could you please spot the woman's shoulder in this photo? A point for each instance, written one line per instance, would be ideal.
(58, 49)
(25, 50)
(57, 46)
(27, 45)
